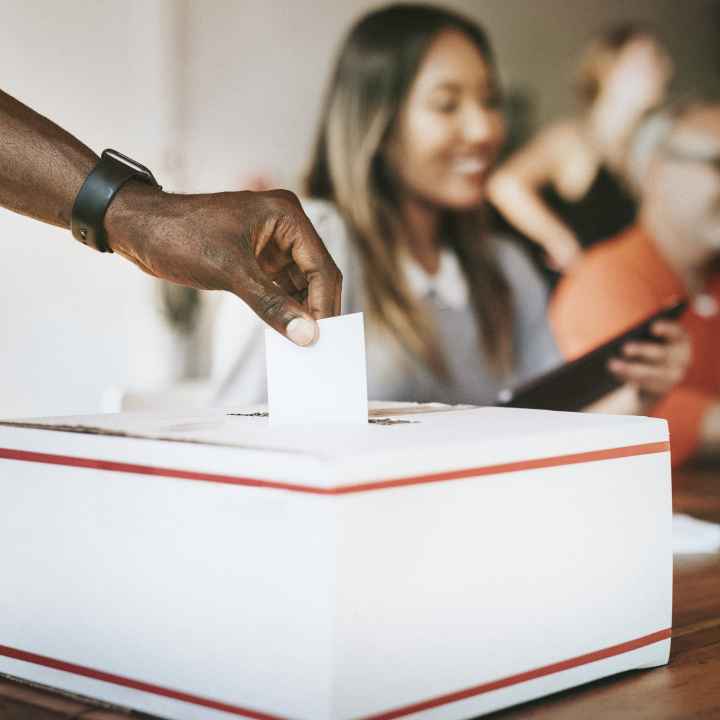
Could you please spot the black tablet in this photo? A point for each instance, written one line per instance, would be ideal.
(586, 379)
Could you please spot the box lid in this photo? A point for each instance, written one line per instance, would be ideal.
(402, 444)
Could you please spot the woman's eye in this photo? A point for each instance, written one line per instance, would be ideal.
(445, 105)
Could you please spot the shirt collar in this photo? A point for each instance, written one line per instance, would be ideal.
(448, 284)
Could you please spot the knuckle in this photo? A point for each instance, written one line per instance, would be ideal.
(286, 200)
(327, 269)
(277, 205)
(271, 307)
(287, 195)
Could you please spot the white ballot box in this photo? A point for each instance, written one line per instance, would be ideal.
(435, 563)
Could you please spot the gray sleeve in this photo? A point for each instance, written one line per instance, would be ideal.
(535, 346)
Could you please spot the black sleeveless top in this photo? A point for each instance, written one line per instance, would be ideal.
(602, 212)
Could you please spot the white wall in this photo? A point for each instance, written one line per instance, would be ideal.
(72, 321)
(257, 70)
(209, 94)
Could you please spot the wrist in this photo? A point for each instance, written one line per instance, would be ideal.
(132, 217)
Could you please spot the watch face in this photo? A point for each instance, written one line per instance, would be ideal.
(142, 172)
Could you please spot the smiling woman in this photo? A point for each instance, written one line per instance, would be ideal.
(410, 129)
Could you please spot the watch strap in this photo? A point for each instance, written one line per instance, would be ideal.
(112, 171)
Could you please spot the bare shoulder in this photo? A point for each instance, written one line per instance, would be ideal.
(562, 137)
(538, 161)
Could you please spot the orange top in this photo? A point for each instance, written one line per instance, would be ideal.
(618, 284)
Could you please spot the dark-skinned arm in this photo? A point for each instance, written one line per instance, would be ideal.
(259, 246)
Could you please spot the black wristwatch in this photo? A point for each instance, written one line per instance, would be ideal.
(112, 171)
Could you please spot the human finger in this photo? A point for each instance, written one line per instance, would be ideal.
(297, 277)
(649, 351)
(676, 339)
(655, 377)
(294, 234)
(285, 281)
(668, 330)
(324, 280)
(338, 297)
(274, 305)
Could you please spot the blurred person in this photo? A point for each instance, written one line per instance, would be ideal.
(673, 250)
(410, 129)
(259, 246)
(566, 189)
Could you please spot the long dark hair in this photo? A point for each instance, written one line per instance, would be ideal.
(376, 67)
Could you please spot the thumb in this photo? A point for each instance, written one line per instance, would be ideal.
(277, 309)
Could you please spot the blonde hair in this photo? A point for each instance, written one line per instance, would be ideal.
(600, 56)
(376, 67)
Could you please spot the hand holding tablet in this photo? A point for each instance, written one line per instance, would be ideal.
(653, 355)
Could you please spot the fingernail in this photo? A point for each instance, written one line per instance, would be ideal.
(302, 332)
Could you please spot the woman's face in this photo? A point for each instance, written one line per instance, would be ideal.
(450, 127)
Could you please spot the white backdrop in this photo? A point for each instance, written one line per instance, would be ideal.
(74, 322)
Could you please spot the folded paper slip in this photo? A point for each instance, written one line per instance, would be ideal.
(437, 564)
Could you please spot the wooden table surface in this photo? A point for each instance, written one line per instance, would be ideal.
(687, 689)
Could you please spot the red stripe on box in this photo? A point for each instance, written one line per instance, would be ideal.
(133, 684)
(508, 681)
(505, 682)
(556, 461)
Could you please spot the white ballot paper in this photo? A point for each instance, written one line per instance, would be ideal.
(324, 383)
